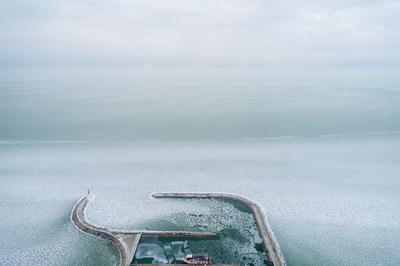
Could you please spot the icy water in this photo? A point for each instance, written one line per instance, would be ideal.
(322, 158)
(237, 240)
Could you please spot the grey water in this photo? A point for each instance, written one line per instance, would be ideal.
(322, 156)
(130, 106)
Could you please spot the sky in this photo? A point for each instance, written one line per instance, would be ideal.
(200, 33)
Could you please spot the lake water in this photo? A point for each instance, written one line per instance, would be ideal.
(322, 158)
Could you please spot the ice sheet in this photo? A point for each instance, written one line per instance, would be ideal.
(330, 200)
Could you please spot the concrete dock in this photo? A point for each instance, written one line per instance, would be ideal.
(125, 241)
(126, 245)
(270, 245)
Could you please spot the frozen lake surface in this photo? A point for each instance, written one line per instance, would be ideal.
(322, 156)
(330, 200)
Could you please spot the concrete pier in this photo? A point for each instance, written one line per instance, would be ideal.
(126, 244)
(126, 241)
(270, 245)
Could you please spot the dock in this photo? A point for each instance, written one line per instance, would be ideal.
(126, 241)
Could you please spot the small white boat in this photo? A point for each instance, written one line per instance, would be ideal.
(197, 260)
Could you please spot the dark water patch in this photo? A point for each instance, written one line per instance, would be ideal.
(237, 240)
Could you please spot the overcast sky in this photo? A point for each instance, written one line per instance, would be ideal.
(200, 33)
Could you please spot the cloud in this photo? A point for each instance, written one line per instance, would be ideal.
(198, 33)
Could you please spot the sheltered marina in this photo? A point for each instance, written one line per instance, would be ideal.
(127, 241)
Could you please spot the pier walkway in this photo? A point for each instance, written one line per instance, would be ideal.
(126, 241)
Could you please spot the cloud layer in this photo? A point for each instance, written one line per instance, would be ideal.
(200, 33)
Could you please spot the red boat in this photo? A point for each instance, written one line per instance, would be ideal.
(197, 260)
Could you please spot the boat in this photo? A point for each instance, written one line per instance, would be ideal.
(197, 260)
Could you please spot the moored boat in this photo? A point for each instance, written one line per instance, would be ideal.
(197, 260)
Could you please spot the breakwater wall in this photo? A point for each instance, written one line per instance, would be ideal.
(270, 244)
